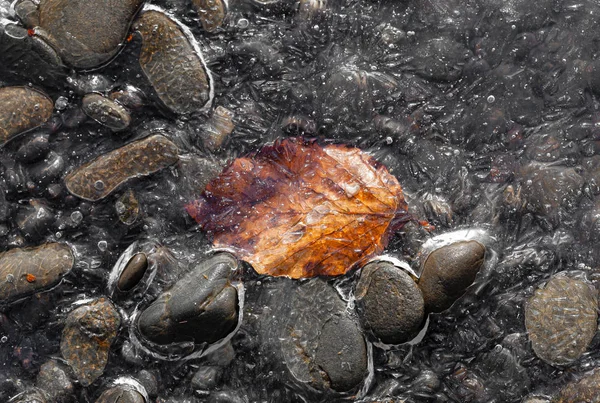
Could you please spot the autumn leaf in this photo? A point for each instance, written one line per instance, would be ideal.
(297, 209)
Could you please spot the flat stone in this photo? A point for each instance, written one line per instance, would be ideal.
(22, 109)
(447, 273)
(390, 304)
(561, 319)
(201, 307)
(99, 178)
(25, 271)
(86, 339)
(171, 60)
(86, 34)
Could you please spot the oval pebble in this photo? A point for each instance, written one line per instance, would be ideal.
(106, 112)
(100, 177)
(447, 273)
(24, 271)
(390, 304)
(172, 62)
(211, 12)
(22, 109)
(134, 271)
(561, 319)
(86, 34)
(86, 338)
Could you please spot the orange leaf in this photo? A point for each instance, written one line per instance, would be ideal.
(301, 210)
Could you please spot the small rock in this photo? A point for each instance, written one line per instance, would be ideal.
(561, 319)
(22, 109)
(34, 150)
(120, 394)
(201, 307)
(148, 380)
(86, 34)
(106, 112)
(86, 339)
(448, 272)
(27, 270)
(128, 207)
(53, 379)
(341, 344)
(30, 396)
(34, 220)
(48, 170)
(587, 390)
(172, 63)
(130, 97)
(390, 304)
(100, 177)
(133, 272)
(211, 12)
(218, 128)
(206, 378)
(312, 333)
(546, 188)
(226, 396)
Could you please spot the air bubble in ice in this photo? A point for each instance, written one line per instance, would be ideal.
(76, 216)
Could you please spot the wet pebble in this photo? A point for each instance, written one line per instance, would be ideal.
(211, 12)
(86, 338)
(309, 330)
(561, 319)
(201, 307)
(30, 396)
(206, 378)
(390, 304)
(586, 389)
(128, 207)
(148, 381)
(27, 270)
(106, 112)
(100, 177)
(48, 170)
(546, 187)
(120, 394)
(35, 220)
(448, 271)
(130, 97)
(85, 34)
(218, 128)
(134, 271)
(34, 149)
(55, 381)
(22, 109)
(172, 62)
